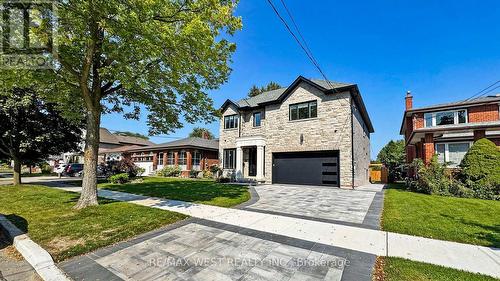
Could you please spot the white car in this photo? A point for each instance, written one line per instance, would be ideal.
(59, 169)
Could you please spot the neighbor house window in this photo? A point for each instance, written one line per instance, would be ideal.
(452, 153)
(231, 121)
(256, 119)
(445, 118)
(170, 158)
(196, 158)
(160, 158)
(303, 110)
(182, 158)
(229, 158)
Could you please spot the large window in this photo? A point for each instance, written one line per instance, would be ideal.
(452, 153)
(229, 158)
(160, 158)
(445, 118)
(196, 158)
(231, 121)
(170, 158)
(303, 110)
(182, 158)
(256, 119)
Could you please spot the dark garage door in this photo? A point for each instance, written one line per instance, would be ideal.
(314, 168)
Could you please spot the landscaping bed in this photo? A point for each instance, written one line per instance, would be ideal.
(396, 269)
(49, 218)
(472, 221)
(201, 191)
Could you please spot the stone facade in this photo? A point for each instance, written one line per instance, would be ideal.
(330, 130)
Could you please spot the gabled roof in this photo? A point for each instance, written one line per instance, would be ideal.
(279, 95)
(107, 137)
(187, 142)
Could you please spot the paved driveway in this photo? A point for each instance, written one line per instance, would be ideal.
(361, 206)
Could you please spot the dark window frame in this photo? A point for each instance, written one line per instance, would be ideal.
(231, 121)
(229, 161)
(294, 110)
(255, 120)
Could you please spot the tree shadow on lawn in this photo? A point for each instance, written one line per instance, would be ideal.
(188, 190)
(102, 201)
(490, 233)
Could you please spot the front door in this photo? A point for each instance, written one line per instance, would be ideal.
(252, 162)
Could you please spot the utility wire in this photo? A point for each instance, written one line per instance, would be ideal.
(483, 91)
(297, 39)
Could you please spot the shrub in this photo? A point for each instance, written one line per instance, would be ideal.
(434, 179)
(46, 168)
(223, 180)
(481, 169)
(119, 178)
(169, 171)
(207, 174)
(125, 166)
(193, 173)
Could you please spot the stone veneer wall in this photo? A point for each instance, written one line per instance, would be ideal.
(331, 130)
(361, 138)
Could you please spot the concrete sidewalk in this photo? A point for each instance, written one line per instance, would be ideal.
(466, 257)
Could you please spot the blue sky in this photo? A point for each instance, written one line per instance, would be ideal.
(440, 50)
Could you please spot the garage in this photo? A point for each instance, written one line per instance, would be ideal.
(308, 168)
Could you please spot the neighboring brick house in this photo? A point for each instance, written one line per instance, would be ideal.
(189, 154)
(449, 130)
(313, 132)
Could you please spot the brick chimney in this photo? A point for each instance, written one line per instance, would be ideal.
(409, 100)
(205, 135)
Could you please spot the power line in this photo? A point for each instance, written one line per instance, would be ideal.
(485, 89)
(296, 39)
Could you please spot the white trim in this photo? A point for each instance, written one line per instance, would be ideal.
(455, 117)
(250, 141)
(447, 151)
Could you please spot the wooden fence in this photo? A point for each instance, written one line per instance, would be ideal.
(378, 173)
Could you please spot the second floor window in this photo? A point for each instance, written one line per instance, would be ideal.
(445, 118)
(303, 110)
(231, 121)
(256, 119)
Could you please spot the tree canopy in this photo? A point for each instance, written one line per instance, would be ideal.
(199, 132)
(393, 156)
(32, 129)
(254, 90)
(128, 55)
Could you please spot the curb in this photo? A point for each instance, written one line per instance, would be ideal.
(35, 255)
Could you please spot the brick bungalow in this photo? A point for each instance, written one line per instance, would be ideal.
(449, 130)
(189, 154)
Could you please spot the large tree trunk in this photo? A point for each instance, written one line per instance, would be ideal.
(88, 196)
(17, 171)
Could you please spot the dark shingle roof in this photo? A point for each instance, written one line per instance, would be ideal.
(105, 136)
(274, 95)
(187, 142)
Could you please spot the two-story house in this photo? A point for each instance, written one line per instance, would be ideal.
(313, 132)
(449, 130)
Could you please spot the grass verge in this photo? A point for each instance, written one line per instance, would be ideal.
(191, 190)
(49, 218)
(471, 221)
(397, 269)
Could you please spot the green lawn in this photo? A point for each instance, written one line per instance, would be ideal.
(48, 217)
(472, 221)
(396, 269)
(191, 190)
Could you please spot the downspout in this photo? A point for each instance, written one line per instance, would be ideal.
(352, 141)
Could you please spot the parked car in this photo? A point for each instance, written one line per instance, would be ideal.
(72, 169)
(60, 168)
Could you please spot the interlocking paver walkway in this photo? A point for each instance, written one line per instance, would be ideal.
(450, 254)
